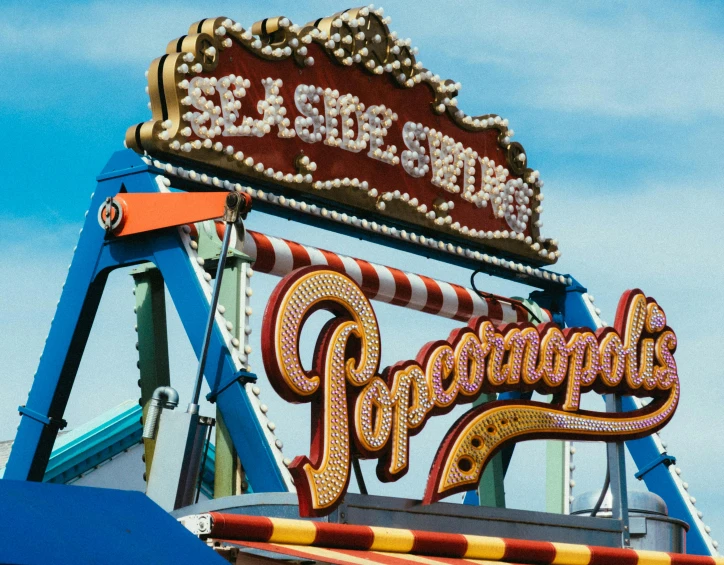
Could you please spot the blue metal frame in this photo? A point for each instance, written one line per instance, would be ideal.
(95, 257)
(68, 525)
(105, 437)
(101, 439)
(648, 457)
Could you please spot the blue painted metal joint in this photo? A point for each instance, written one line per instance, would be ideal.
(471, 498)
(553, 301)
(664, 458)
(132, 170)
(59, 423)
(575, 286)
(244, 377)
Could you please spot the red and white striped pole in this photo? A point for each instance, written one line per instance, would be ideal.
(279, 257)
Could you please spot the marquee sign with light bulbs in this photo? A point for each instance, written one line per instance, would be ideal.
(359, 410)
(338, 117)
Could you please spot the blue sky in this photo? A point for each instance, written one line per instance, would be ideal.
(618, 105)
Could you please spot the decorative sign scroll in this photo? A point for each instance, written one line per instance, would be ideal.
(358, 410)
(341, 113)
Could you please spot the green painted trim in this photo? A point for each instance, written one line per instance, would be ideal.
(491, 490)
(555, 476)
(226, 462)
(229, 476)
(152, 340)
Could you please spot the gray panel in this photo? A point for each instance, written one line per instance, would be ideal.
(638, 501)
(438, 517)
(175, 469)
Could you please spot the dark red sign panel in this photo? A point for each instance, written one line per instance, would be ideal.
(340, 109)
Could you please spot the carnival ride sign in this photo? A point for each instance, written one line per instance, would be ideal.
(359, 410)
(337, 118)
(341, 113)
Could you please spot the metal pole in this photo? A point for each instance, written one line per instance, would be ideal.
(358, 475)
(203, 464)
(616, 456)
(152, 341)
(194, 404)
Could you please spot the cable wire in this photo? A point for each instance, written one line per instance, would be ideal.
(358, 475)
(489, 295)
(604, 491)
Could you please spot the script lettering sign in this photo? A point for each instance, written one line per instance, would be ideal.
(356, 408)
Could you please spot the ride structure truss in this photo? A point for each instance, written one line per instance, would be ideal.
(180, 263)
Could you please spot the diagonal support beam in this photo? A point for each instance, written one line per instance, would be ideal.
(578, 310)
(95, 258)
(229, 475)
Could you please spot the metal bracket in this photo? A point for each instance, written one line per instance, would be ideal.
(38, 417)
(110, 215)
(237, 206)
(198, 524)
(664, 458)
(244, 377)
(342, 513)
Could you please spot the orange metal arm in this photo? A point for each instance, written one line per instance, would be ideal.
(143, 212)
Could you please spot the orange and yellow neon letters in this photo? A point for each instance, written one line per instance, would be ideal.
(358, 411)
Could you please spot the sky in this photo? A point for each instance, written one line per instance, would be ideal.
(618, 105)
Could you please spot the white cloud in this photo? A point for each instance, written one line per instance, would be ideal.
(666, 236)
(603, 59)
(115, 34)
(606, 59)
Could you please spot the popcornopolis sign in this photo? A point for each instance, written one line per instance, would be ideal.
(340, 110)
(356, 408)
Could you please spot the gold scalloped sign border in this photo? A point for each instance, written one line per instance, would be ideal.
(375, 49)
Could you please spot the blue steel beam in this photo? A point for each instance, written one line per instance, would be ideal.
(67, 525)
(387, 240)
(192, 306)
(661, 478)
(66, 339)
(94, 258)
(95, 442)
(103, 438)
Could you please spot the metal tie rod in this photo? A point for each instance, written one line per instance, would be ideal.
(234, 205)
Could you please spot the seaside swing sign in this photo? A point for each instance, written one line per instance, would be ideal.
(340, 114)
